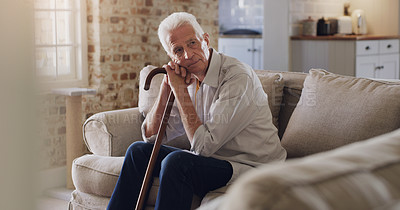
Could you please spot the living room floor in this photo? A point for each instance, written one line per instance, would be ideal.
(54, 199)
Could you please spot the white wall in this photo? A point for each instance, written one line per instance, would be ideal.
(382, 15)
(276, 35)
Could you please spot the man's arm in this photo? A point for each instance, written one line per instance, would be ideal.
(178, 81)
(190, 119)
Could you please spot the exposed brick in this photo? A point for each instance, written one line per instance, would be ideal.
(143, 11)
(91, 48)
(90, 18)
(115, 77)
(116, 67)
(132, 76)
(117, 57)
(144, 39)
(111, 86)
(114, 19)
(102, 58)
(125, 58)
(124, 76)
(149, 3)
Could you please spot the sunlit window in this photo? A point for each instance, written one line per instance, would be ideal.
(60, 42)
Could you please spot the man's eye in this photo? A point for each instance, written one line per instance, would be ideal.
(192, 43)
(178, 51)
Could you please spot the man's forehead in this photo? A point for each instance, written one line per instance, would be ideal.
(181, 34)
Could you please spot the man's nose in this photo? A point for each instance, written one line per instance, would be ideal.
(188, 53)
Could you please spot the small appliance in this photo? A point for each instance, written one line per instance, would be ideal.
(344, 25)
(323, 27)
(359, 22)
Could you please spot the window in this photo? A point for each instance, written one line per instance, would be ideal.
(60, 43)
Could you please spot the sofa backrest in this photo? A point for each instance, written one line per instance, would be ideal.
(290, 93)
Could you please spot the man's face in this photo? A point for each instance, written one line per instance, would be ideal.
(188, 50)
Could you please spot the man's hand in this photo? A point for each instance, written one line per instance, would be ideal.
(177, 76)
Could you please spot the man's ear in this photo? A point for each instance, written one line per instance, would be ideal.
(206, 38)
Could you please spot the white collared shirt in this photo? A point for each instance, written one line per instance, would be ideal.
(237, 121)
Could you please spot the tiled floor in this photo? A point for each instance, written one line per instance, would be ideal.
(54, 199)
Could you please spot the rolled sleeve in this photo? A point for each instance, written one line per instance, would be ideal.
(197, 144)
(151, 139)
(173, 130)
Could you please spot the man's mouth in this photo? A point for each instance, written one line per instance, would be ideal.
(193, 63)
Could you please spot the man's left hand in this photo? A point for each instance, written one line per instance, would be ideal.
(178, 76)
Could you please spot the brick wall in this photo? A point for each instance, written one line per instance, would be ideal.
(52, 131)
(122, 39)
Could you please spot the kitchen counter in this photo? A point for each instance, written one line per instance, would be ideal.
(345, 37)
(241, 36)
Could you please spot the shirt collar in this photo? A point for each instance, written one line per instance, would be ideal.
(211, 78)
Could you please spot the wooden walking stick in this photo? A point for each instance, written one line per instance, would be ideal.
(156, 148)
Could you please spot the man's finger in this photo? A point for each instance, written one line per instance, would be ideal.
(188, 78)
(183, 72)
(171, 64)
(177, 69)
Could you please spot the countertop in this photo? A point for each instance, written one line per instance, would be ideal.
(345, 37)
(241, 36)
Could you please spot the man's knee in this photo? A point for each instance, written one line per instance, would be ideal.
(177, 160)
(139, 147)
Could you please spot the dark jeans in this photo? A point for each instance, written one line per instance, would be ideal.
(182, 174)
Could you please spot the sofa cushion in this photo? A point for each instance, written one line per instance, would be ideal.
(272, 83)
(335, 110)
(363, 175)
(95, 174)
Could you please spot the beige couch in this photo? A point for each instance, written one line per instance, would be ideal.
(333, 111)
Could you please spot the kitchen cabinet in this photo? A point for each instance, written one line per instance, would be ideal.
(247, 50)
(360, 56)
(378, 59)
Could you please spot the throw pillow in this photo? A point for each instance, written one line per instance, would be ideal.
(335, 110)
(148, 97)
(273, 84)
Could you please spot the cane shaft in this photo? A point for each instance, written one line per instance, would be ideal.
(153, 158)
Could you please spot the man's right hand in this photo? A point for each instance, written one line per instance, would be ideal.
(179, 70)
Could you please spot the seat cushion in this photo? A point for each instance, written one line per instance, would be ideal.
(95, 174)
(335, 110)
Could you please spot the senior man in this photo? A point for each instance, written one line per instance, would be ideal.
(220, 106)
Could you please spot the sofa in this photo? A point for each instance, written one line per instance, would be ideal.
(331, 126)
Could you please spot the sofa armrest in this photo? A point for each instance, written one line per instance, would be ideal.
(110, 133)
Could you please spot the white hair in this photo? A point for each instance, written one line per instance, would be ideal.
(173, 21)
